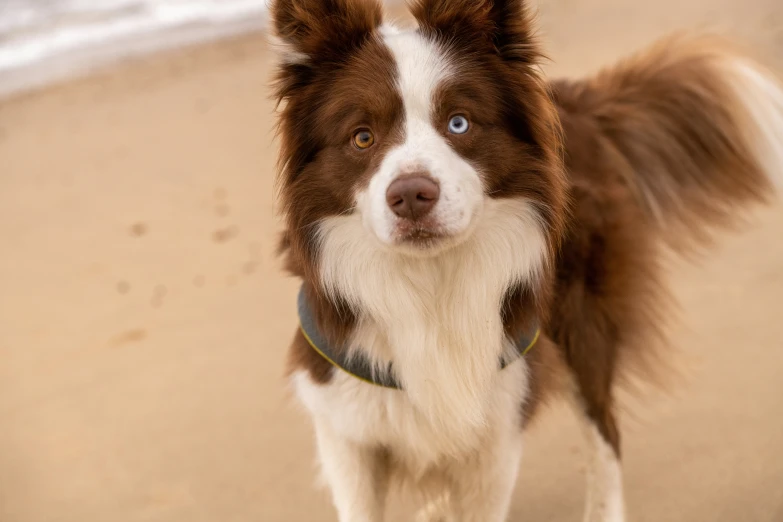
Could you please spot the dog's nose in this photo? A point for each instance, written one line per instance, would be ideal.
(412, 197)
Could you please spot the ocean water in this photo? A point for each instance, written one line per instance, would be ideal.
(46, 40)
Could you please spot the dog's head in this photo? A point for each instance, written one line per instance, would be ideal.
(412, 133)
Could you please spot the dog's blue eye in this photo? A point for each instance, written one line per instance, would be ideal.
(458, 124)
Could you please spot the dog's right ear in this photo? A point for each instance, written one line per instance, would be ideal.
(314, 32)
(505, 25)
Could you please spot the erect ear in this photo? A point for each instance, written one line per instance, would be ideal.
(323, 30)
(505, 26)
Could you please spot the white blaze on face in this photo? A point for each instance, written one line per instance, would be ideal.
(421, 68)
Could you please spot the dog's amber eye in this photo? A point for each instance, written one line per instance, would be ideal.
(363, 139)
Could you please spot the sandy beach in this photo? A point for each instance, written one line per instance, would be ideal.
(144, 318)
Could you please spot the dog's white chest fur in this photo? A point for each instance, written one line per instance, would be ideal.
(438, 319)
(386, 418)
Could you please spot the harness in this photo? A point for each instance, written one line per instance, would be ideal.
(360, 367)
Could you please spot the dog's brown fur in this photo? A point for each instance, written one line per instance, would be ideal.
(656, 156)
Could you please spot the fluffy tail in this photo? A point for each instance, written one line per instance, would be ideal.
(695, 126)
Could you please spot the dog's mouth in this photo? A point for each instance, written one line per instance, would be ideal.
(421, 234)
(421, 237)
(430, 235)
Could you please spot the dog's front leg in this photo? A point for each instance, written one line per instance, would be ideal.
(484, 484)
(357, 475)
(604, 502)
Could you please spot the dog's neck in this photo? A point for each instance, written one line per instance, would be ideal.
(437, 318)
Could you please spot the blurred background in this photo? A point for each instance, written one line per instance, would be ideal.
(144, 318)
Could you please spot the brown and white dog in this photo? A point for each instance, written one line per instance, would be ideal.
(441, 197)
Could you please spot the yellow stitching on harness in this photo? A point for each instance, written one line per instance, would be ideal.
(322, 354)
(532, 343)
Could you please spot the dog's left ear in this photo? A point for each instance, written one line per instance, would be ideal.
(323, 31)
(503, 26)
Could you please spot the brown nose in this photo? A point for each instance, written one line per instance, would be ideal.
(412, 197)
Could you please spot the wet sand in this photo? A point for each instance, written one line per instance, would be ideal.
(144, 318)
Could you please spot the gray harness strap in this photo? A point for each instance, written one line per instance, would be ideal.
(360, 366)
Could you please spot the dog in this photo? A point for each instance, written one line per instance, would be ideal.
(473, 237)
